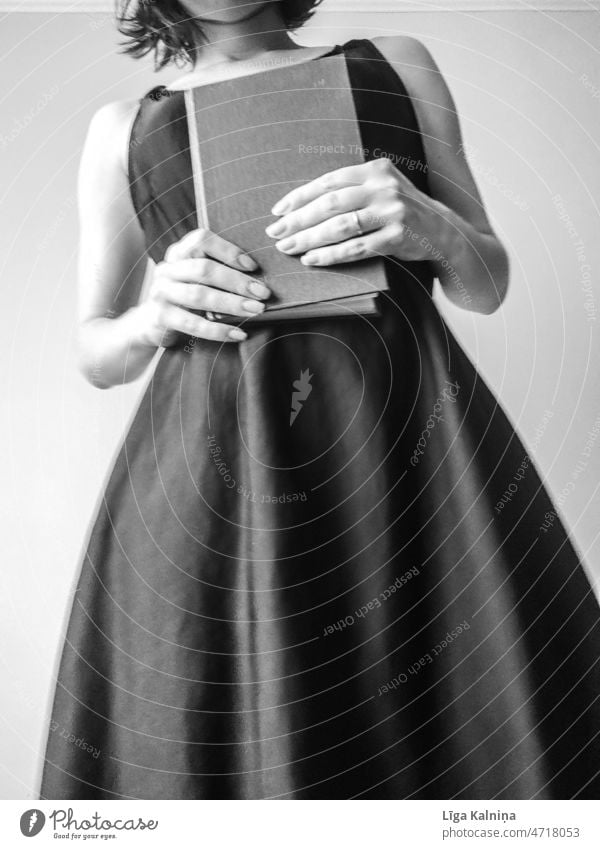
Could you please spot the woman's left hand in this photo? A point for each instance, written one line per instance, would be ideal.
(360, 211)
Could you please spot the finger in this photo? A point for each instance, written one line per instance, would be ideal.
(211, 273)
(338, 229)
(203, 242)
(188, 246)
(198, 297)
(322, 208)
(370, 245)
(185, 322)
(351, 175)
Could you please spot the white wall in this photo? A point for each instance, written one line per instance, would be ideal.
(535, 125)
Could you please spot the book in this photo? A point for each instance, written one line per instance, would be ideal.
(255, 138)
(339, 307)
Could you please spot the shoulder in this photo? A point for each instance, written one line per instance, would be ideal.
(109, 131)
(449, 177)
(408, 52)
(401, 46)
(418, 70)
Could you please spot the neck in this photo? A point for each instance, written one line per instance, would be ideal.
(261, 31)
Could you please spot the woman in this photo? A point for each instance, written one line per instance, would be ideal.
(362, 614)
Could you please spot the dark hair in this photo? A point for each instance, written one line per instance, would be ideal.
(165, 27)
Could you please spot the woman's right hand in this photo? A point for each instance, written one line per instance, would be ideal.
(202, 271)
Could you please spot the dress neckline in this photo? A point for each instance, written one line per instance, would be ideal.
(161, 90)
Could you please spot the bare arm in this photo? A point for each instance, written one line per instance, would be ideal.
(112, 256)
(117, 335)
(470, 246)
(373, 209)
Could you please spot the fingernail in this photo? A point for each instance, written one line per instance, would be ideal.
(286, 245)
(237, 335)
(247, 262)
(276, 229)
(253, 306)
(309, 259)
(280, 207)
(256, 288)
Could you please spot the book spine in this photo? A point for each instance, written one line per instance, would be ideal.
(348, 84)
(199, 191)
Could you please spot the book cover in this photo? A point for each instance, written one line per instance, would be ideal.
(252, 140)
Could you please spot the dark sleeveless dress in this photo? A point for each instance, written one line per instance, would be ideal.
(337, 607)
